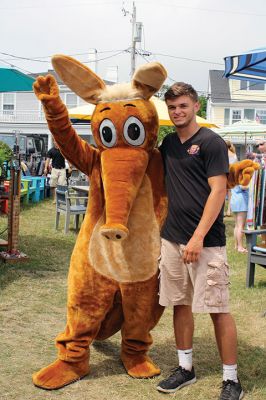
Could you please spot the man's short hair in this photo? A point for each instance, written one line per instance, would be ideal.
(181, 89)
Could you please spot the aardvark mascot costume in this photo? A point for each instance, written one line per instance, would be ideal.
(113, 277)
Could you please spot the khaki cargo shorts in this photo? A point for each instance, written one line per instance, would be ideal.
(58, 177)
(203, 284)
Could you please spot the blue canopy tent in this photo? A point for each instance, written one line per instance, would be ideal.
(250, 66)
(12, 80)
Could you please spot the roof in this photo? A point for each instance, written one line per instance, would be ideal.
(51, 72)
(12, 80)
(219, 87)
(220, 91)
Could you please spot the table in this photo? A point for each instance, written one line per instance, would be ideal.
(81, 189)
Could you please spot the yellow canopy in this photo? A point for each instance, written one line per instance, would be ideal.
(85, 112)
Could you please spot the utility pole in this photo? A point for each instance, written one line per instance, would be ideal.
(133, 48)
(93, 60)
(136, 36)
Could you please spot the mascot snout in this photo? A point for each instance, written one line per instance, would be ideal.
(123, 170)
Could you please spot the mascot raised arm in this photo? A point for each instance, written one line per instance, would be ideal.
(113, 276)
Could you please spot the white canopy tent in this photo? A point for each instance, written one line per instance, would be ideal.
(243, 132)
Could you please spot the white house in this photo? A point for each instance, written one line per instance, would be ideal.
(230, 101)
(233, 100)
(21, 111)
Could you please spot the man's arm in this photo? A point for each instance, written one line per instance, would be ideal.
(211, 211)
(47, 161)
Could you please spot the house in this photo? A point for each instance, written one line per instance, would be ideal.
(22, 112)
(231, 100)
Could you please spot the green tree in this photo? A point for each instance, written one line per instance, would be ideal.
(5, 154)
(203, 106)
(164, 131)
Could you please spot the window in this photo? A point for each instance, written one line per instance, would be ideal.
(256, 86)
(227, 116)
(236, 116)
(8, 103)
(261, 116)
(243, 85)
(249, 85)
(23, 144)
(249, 113)
(71, 100)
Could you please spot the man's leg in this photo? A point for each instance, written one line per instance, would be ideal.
(53, 193)
(226, 337)
(184, 374)
(210, 276)
(183, 327)
(53, 182)
(176, 289)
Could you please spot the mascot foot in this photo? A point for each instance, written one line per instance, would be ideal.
(140, 366)
(59, 374)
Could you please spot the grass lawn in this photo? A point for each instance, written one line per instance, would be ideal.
(32, 312)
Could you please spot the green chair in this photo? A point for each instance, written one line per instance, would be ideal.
(24, 191)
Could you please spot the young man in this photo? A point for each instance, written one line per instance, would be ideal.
(193, 266)
(58, 173)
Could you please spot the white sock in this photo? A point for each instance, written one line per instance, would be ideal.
(185, 359)
(230, 372)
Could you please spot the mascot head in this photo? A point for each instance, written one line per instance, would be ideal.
(125, 128)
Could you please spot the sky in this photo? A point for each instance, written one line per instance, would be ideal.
(189, 37)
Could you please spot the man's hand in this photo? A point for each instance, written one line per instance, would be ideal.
(193, 249)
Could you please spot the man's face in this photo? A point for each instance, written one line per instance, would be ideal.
(182, 111)
(262, 146)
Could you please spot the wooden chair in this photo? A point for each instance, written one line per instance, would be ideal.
(256, 254)
(24, 191)
(69, 204)
(34, 188)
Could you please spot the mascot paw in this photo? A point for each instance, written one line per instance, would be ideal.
(140, 366)
(240, 173)
(59, 374)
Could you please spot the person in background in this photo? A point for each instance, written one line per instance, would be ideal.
(58, 172)
(232, 159)
(261, 146)
(193, 266)
(239, 206)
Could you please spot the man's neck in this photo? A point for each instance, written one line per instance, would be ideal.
(187, 132)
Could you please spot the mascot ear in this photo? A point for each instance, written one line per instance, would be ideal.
(149, 78)
(79, 78)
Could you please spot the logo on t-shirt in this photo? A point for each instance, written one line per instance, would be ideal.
(194, 150)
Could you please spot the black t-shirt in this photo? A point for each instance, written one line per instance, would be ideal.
(58, 160)
(188, 166)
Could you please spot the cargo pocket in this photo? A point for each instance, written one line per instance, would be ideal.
(216, 293)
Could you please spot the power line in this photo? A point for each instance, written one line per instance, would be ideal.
(164, 4)
(187, 59)
(39, 59)
(98, 3)
(141, 52)
(210, 10)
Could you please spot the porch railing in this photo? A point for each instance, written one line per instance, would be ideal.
(21, 116)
